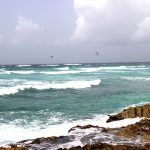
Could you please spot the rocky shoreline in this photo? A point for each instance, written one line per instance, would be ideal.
(131, 137)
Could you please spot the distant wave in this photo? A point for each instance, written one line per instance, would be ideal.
(62, 72)
(22, 72)
(72, 64)
(123, 68)
(23, 65)
(44, 85)
(17, 72)
(48, 65)
(136, 78)
(63, 68)
(111, 69)
(90, 69)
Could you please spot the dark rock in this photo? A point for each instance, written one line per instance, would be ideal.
(104, 146)
(53, 139)
(84, 127)
(41, 140)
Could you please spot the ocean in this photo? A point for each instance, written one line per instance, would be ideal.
(47, 100)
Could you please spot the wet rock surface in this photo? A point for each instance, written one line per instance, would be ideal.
(103, 146)
(83, 127)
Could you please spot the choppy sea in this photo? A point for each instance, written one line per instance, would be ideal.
(47, 100)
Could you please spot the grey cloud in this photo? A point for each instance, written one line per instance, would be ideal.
(25, 30)
(108, 21)
(143, 30)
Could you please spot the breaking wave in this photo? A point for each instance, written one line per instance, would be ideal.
(72, 64)
(62, 72)
(63, 68)
(19, 133)
(17, 72)
(48, 65)
(136, 78)
(23, 65)
(45, 85)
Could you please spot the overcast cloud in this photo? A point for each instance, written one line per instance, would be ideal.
(72, 30)
(25, 29)
(112, 21)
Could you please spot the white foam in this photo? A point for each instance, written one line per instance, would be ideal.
(49, 65)
(109, 69)
(121, 68)
(61, 72)
(17, 72)
(22, 72)
(90, 69)
(113, 68)
(63, 68)
(136, 78)
(72, 64)
(23, 65)
(45, 85)
(11, 133)
(2, 71)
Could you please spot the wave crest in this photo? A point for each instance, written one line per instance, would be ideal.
(44, 86)
(136, 78)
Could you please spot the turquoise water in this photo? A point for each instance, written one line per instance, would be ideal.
(42, 100)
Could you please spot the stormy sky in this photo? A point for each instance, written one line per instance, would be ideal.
(31, 31)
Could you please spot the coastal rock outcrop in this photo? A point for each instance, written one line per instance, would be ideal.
(141, 129)
(131, 112)
(14, 148)
(104, 146)
(96, 146)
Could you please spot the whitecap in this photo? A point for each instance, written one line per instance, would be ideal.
(63, 68)
(45, 85)
(23, 65)
(22, 72)
(48, 65)
(72, 64)
(62, 72)
(136, 78)
(12, 133)
(89, 69)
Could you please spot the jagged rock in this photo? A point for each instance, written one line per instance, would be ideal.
(83, 127)
(141, 128)
(104, 146)
(131, 112)
(14, 148)
(53, 139)
(41, 140)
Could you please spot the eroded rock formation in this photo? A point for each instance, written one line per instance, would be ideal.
(131, 112)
